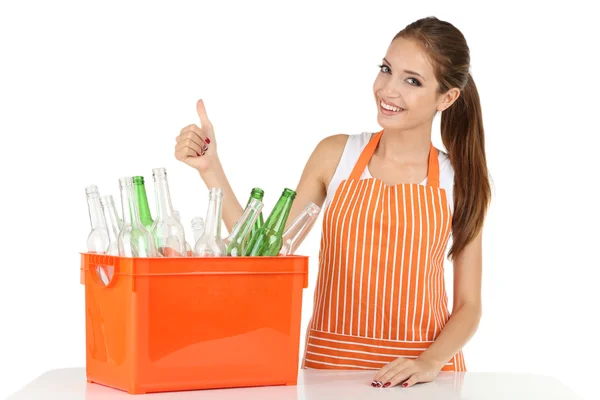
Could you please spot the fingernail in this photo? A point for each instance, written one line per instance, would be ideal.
(374, 384)
(379, 384)
(387, 384)
(404, 384)
(207, 140)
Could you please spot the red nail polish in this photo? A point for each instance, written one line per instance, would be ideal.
(207, 140)
(404, 384)
(387, 384)
(374, 384)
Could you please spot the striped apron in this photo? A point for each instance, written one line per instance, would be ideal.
(380, 290)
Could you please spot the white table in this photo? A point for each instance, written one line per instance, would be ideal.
(71, 384)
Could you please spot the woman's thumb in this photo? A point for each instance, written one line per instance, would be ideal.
(206, 124)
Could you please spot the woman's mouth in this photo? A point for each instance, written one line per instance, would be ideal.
(389, 109)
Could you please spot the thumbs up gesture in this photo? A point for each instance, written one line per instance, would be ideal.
(196, 146)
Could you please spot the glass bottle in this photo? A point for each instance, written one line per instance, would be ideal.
(236, 241)
(134, 240)
(269, 239)
(98, 239)
(166, 230)
(142, 202)
(258, 194)
(188, 248)
(210, 244)
(113, 222)
(197, 227)
(299, 228)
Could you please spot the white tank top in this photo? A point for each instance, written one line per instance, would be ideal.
(354, 147)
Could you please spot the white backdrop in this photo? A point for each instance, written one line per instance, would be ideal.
(92, 92)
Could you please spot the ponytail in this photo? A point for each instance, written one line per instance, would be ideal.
(463, 136)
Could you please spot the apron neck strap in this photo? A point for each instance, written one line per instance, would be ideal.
(433, 172)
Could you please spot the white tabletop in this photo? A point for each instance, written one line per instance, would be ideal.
(71, 384)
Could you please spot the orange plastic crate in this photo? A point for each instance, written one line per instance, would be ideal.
(169, 324)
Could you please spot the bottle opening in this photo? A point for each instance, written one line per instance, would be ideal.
(159, 173)
(216, 192)
(289, 192)
(91, 189)
(125, 181)
(138, 180)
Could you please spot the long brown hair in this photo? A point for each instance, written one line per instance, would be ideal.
(461, 125)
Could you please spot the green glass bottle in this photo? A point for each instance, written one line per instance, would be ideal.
(258, 194)
(241, 231)
(269, 238)
(142, 202)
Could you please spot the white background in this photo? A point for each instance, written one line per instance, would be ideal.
(90, 92)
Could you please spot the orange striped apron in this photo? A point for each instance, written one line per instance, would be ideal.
(380, 290)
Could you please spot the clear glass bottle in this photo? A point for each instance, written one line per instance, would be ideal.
(197, 227)
(134, 240)
(188, 248)
(113, 222)
(258, 194)
(166, 230)
(269, 238)
(240, 233)
(210, 244)
(294, 235)
(98, 239)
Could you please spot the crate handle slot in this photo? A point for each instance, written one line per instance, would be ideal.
(105, 268)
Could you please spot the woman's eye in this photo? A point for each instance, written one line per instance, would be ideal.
(417, 83)
(384, 68)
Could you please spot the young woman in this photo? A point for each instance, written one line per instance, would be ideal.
(391, 202)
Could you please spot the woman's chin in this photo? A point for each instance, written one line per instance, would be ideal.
(388, 123)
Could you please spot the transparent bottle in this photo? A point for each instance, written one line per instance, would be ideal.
(98, 239)
(210, 244)
(188, 248)
(269, 239)
(168, 233)
(142, 202)
(294, 235)
(240, 233)
(258, 194)
(113, 222)
(134, 240)
(197, 227)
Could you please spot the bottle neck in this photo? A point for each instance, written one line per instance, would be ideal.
(164, 208)
(96, 214)
(212, 223)
(256, 195)
(131, 216)
(112, 219)
(278, 217)
(198, 228)
(142, 202)
(246, 222)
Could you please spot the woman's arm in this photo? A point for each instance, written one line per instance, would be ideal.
(466, 309)
(197, 147)
(317, 174)
(463, 323)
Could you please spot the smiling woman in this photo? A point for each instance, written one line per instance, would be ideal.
(392, 201)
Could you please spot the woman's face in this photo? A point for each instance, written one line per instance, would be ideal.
(406, 82)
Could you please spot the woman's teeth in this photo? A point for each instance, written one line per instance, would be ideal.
(390, 108)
